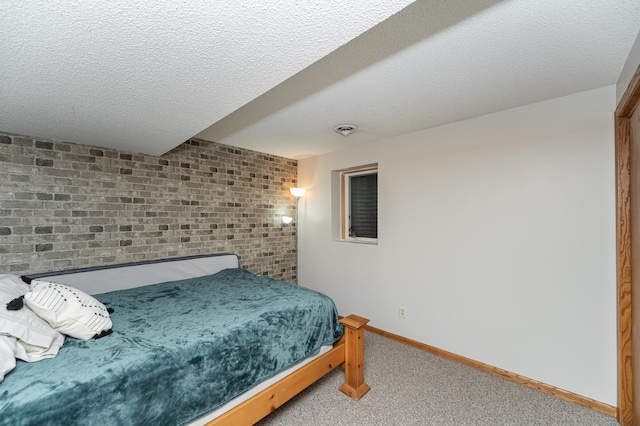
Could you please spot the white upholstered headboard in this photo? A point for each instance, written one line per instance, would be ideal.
(102, 279)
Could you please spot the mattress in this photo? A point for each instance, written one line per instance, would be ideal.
(178, 351)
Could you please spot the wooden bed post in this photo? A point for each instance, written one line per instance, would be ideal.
(354, 384)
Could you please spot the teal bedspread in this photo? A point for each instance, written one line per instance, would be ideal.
(178, 351)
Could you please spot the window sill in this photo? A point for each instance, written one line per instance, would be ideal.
(369, 241)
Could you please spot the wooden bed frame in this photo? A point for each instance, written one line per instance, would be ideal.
(347, 352)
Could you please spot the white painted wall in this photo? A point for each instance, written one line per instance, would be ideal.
(629, 69)
(497, 234)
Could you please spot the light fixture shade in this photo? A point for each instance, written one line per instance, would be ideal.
(287, 219)
(297, 192)
(345, 129)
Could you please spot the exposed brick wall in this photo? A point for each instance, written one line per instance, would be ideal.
(64, 205)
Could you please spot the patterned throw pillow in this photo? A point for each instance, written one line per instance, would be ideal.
(68, 310)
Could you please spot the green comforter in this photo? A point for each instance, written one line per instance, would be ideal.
(178, 351)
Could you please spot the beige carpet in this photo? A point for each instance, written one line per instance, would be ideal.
(413, 387)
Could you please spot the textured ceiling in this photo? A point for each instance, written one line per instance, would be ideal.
(147, 75)
(438, 62)
(276, 76)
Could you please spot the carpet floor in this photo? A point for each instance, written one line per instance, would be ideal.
(412, 387)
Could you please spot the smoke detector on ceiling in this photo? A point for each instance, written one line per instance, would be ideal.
(345, 129)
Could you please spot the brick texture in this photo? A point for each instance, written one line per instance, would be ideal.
(65, 205)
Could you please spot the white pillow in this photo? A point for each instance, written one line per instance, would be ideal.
(22, 324)
(68, 310)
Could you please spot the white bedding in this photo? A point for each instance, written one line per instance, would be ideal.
(7, 355)
(23, 335)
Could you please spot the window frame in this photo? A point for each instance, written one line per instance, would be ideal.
(345, 207)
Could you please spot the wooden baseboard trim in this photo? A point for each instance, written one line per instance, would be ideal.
(560, 393)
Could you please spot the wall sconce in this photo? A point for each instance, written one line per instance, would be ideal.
(287, 220)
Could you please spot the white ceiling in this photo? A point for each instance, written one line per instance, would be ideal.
(146, 75)
(273, 77)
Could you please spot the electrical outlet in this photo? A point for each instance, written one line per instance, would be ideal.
(402, 312)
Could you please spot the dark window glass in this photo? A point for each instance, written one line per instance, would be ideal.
(364, 206)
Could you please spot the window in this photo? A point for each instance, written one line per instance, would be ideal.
(359, 204)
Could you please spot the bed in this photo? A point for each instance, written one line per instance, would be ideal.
(195, 340)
